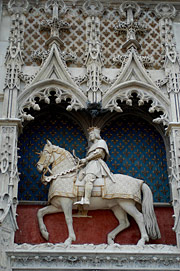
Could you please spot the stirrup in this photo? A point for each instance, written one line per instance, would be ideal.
(82, 201)
(79, 202)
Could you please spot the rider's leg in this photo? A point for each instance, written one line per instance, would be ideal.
(89, 180)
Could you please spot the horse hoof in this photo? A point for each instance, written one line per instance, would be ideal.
(110, 241)
(142, 241)
(68, 242)
(45, 234)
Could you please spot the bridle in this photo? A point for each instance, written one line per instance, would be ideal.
(45, 162)
(45, 159)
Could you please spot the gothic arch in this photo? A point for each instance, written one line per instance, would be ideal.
(134, 78)
(63, 129)
(42, 91)
(133, 141)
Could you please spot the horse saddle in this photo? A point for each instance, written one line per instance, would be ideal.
(97, 187)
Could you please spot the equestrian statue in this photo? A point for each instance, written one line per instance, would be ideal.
(88, 183)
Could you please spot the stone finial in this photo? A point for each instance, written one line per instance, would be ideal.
(165, 10)
(55, 8)
(93, 8)
(18, 6)
(130, 10)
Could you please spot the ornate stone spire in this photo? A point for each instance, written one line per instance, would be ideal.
(56, 8)
(93, 60)
(130, 11)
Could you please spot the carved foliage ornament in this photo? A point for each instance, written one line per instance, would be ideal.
(143, 97)
(130, 10)
(93, 8)
(55, 7)
(165, 10)
(44, 94)
(8, 172)
(18, 6)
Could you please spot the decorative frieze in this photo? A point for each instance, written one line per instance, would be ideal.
(91, 257)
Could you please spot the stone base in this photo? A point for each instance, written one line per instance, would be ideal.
(94, 257)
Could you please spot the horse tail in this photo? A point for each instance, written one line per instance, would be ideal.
(149, 214)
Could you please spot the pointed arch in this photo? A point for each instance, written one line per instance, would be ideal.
(134, 78)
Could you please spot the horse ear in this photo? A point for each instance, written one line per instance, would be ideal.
(49, 143)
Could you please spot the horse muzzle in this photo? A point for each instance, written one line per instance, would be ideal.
(40, 168)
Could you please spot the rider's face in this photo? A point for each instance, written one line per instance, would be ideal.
(92, 136)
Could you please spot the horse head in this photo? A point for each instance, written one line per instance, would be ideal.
(46, 157)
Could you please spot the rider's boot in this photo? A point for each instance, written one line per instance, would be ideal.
(88, 190)
(89, 179)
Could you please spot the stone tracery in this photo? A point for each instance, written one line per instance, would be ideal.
(92, 83)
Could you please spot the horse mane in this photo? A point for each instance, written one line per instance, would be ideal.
(69, 156)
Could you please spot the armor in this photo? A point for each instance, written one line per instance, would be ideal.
(95, 165)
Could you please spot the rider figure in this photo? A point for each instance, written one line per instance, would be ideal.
(95, 166)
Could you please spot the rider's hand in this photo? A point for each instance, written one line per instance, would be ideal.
(83, 161)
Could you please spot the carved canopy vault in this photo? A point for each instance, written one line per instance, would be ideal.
(98, 62)
(93, 87)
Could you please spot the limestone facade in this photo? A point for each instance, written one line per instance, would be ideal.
(95, 57)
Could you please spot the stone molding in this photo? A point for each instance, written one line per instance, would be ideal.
(94, 257)
(53, 74)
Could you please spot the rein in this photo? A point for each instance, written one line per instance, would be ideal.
(47, 179)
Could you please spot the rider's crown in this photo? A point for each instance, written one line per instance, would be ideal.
(90, 129)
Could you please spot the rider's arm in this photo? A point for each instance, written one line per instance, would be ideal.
(98, 153)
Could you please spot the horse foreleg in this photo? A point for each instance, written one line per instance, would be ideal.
(66, 204)
(123, 223)
(130, 208)
(50, 209)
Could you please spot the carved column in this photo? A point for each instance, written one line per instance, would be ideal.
(14, 59)
(9, 132)
(93, 62)
(0, 10)
(166, 13)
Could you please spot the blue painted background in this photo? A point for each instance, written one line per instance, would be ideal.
(136, 149)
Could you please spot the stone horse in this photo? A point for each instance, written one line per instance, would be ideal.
(65, 169)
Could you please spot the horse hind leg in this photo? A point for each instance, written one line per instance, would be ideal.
(130, 208)
(50, 209)
(123, 223)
